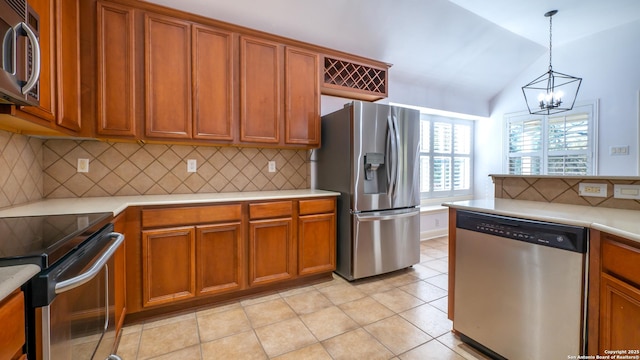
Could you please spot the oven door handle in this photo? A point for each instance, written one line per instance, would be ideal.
(86, 276)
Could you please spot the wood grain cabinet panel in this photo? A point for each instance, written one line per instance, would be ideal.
(168, 265)
(302, 97)
(260, 90)
(271, 251)
(116, 70)
(316, 243)
(167, 77)
(619, 315)
(214, 100)
(219, 258)
(68, 64)
(12, 330)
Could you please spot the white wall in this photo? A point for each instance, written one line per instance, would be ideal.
(609, 64)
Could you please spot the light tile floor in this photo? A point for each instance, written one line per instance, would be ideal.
(401, 315)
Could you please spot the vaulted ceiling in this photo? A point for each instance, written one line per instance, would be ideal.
(457, 45)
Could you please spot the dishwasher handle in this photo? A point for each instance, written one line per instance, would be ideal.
(94, 270)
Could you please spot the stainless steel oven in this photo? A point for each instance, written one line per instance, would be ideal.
(70, 304)
(74, 301)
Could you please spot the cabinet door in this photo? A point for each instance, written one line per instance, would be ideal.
(260, 90)
(167, 88)
(302, 97)
(213, 84)
(219, 258)
(271, 251)
(168, 265)
(116, 74)
(619, 315)
(46, 82)
(316, 243)
(68, 63)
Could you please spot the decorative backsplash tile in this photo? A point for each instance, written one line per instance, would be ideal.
(562, 190)
(136, 169)
(21, 178)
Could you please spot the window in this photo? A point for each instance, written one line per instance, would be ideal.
(446, 156)
(559, 144)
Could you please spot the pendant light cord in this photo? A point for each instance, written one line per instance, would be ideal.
(550, 21)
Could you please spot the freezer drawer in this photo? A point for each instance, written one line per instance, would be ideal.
(385, 241)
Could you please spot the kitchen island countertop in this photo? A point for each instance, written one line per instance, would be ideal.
(619, 222)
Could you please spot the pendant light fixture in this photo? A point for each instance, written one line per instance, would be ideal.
(551, 92)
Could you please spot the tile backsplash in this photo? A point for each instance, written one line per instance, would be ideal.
(562, 189)
(21, 177)
(144, 169)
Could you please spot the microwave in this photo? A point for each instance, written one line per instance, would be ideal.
(19, 54)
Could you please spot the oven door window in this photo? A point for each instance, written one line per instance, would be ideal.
(79, 319)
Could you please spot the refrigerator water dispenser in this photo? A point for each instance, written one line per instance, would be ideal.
(374, 174)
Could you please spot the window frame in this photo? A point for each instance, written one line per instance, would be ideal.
(453, 194)
(592, 149)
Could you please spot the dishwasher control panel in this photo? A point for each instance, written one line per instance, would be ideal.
(566, 237)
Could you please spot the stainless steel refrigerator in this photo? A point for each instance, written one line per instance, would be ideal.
(369, 154)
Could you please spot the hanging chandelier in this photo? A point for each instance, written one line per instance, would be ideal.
(551, 92)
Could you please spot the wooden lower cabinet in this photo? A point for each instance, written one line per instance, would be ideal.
(196, 255)
(168, 265)
(219, 265)
(12, 330)
(271, 251)
(316, 236)
(619, 315)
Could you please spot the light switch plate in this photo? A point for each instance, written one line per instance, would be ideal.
(626, 191)
(589, 189)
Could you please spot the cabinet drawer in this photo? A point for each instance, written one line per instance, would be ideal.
(13, 327)
(270, 210)
(621, 260)
(190, 215)
(316, 206)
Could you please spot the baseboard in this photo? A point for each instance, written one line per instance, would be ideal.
(431, 234)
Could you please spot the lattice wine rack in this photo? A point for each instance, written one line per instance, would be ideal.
(346, 76)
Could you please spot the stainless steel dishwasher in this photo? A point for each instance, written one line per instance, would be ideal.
(520, 286)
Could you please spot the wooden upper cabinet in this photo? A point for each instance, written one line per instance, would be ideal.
(302, 97)
(214, 100)
(116, 71)
(67, 16)
(167, 51)
(260, 90)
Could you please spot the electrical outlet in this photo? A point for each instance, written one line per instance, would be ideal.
(272, 166)
(192, 165)
(588, 189)
(83, 165)
(619, 150)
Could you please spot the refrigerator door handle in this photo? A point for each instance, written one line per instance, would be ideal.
(392, 154)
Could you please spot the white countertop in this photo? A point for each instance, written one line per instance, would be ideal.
(117, 204)
(624, 223)
(12, 277)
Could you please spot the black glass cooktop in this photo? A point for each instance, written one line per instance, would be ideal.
(43, 240)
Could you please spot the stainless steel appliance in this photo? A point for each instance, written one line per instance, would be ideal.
(520, 286)
(70, 303)
(369, 154)
(19, 54)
